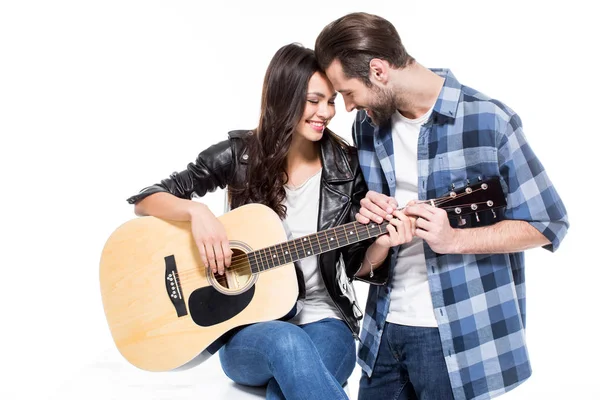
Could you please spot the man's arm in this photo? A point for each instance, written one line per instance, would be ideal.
(535, 214)
(504, 237)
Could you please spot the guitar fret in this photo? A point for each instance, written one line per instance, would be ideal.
(282, 259)
(346, 234)
(258, 260)
(355, 228)
(252, 267)
(343, 235)
(302, 240)
(328, 240)
(371, 226)
(324, 237)
(312, 251)
(279, 257)
(336, 238)
(265, 259)
(486, 195)
(297, 257)
(272, 257)
(364, 235)
(276, 256)
(278, 260)
(288, 252)
(319, 242)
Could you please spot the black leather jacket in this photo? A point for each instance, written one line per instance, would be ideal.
(342, 188)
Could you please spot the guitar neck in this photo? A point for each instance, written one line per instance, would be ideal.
(314, 244)
(479, 197)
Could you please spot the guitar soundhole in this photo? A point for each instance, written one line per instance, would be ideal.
(238, 275)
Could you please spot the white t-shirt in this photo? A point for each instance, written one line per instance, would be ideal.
(302, 213)
(410, 297)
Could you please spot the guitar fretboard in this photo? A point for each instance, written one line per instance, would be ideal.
(311, 245)
(484, 195)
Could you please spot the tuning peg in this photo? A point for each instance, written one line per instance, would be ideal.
(461, 221)
(493, 212)
(477, 217)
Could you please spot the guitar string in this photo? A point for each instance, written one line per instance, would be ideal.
(242, 261)
(437, 202)
(361, 227)
(260, 259)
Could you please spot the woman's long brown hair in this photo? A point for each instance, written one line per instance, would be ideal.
(283, 101)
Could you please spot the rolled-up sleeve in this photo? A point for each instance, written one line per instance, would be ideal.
(531, 196)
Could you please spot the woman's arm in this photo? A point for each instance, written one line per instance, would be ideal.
(171, 199)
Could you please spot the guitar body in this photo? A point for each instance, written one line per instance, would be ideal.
(164, 307)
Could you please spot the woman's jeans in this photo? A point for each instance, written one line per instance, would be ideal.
(310, 361)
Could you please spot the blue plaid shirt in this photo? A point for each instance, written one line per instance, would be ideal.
(478, 300)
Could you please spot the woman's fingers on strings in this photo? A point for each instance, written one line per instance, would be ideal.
(219, 258)
(202, 252)
(378, 204)
(361, 218)
(393, 232)
(210, 256)
(370, 216)
(405, 227)
(227, 253)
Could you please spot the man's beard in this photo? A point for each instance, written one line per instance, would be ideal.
(383, 107)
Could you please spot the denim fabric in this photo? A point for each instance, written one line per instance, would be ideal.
(410, 365)
(309, 361)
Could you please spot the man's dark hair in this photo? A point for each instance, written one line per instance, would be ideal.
(355, 39)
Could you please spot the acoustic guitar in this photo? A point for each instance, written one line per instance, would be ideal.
(166, 310)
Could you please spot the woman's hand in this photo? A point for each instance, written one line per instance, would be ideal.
(211, 239)
(399, 229)
(378, 207)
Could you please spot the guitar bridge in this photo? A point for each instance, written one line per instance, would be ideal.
(173, 286)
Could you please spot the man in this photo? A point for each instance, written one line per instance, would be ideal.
(448, 318)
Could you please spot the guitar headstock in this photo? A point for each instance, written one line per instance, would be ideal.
(485, 195)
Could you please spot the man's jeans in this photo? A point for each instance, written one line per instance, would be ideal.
(311, 361)
(410, 365)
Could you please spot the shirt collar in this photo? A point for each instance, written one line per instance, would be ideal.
(449, 97)
(447, 102)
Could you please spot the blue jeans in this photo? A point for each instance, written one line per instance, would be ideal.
(410, 365)
(310, 361)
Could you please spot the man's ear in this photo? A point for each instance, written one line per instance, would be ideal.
(379, 70)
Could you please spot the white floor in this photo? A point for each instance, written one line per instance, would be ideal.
(110, 377)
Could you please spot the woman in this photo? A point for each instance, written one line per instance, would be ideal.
(292, 163)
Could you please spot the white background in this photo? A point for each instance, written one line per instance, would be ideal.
(101, 98)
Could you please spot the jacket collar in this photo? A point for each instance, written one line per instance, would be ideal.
(334, 160)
